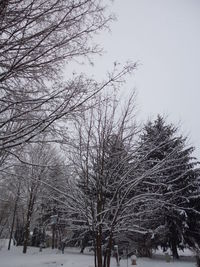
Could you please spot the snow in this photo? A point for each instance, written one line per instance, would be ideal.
(73, 258)
(186, 252)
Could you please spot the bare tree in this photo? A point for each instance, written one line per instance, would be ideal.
(102, 164)
(39, 159)
(26, 182)
(16, 200)
(37, 38)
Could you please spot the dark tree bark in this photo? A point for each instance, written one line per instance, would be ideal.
(198, 260)
(98, 247)
(14, 214)
(53, 236)
(174, 249)
(28, 221)
(13, 220)
(108, 252)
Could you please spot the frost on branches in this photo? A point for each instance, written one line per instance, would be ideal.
(140, 191)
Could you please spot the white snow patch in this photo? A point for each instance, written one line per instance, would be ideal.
(72, 258)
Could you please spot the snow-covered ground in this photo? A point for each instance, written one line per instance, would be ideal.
(73, 258)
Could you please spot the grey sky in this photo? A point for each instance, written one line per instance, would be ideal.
(164, 35)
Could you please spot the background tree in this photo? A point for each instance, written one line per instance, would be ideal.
(27, 182)
(53, 203)
(39, 160)
(177, 180)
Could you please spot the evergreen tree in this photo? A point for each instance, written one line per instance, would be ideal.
(174, 183)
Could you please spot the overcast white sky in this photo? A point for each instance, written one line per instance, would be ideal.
(164, 35)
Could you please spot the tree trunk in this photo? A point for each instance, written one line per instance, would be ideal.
(28, 221)
(53, 236)
(13, 220)
(198, 260)
(108, 252)
(105, 258)
(174, 249)
(95, 251)
(98, 249)
(99, 231)
(56, 239)
(26, 232)
(13, 223)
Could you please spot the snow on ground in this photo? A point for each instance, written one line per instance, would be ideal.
(185, 252)
(73, 258)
